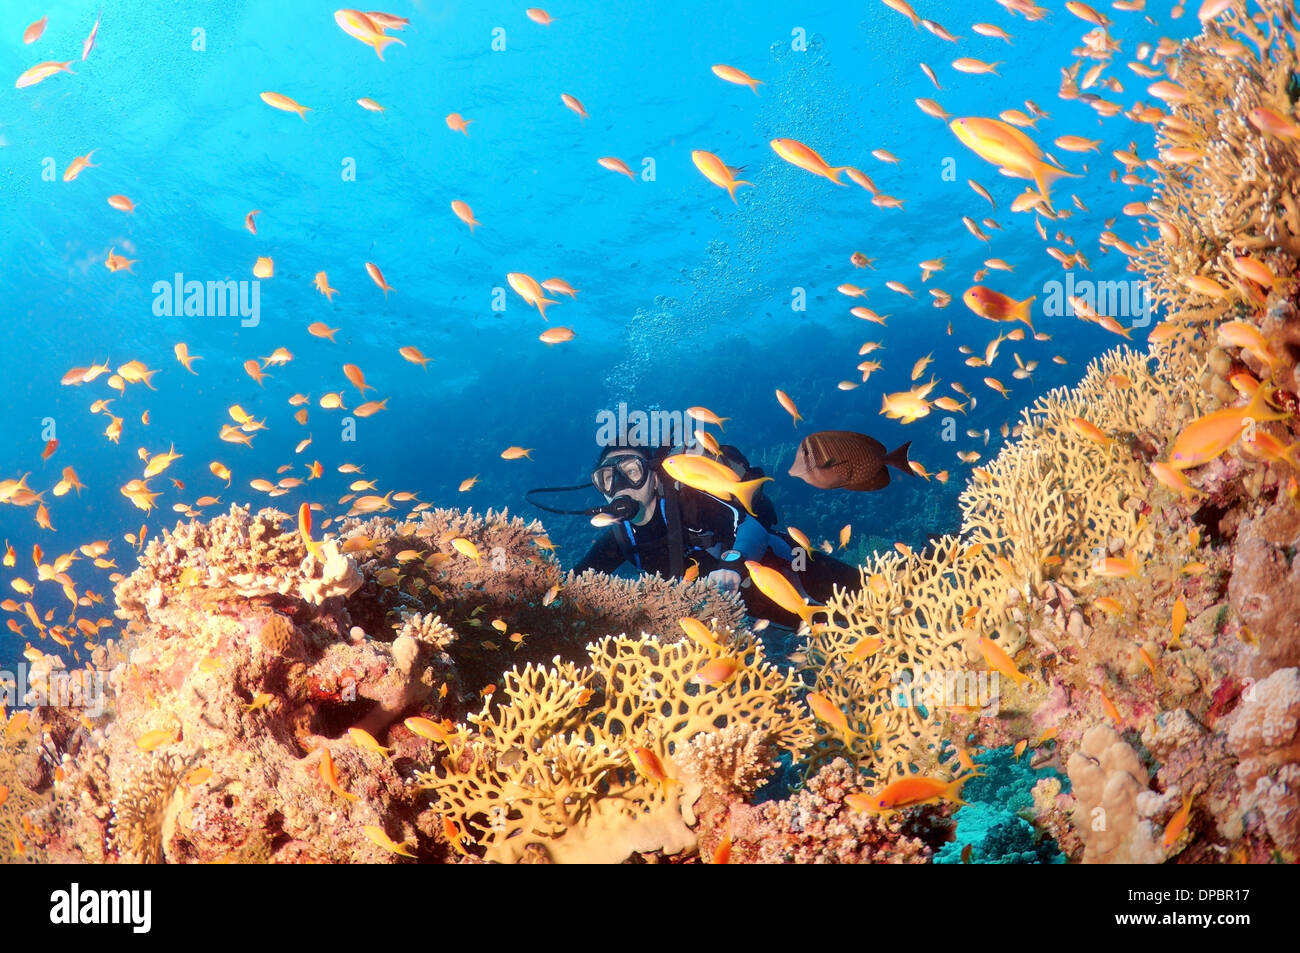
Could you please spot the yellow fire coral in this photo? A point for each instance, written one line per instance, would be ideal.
(1055, 499)
(1042, 511)
(551, 764)
(913, 607)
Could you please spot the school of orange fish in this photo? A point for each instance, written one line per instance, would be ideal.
(1002, 142)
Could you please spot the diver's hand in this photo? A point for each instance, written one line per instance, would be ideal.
(728, 580)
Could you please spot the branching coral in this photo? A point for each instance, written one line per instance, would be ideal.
(19, 748)
(1055, 499)
(552, 764)
(414, 574)
(914, 606)
(1240, 194)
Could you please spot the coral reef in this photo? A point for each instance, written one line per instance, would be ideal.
(1108, 780)
(250, 667)
(436, 687)
(1144, 613)
(998, 822)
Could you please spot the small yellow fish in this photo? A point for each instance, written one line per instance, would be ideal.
(260, 701)
(1002, 663)
(1177, 620)
(827, 711)
(329, 774)
(152, 740)
(648, 764)
(1178, 823)
(466, 548)
(700, 633)
(366, 741)
(377, 836)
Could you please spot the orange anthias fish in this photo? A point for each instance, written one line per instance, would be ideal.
(34, 31)
(732, 75)
(615, 164)
(465, 214)
(788, 404)
(718, 672)
(713, 478)
(1008, 148)
(1000, 661)
(830, 713)
(798, 154)
(285, 104)
(909, 792)
(1211, 435)
(365, 28)
(996, 306)
(718, 172)
(304, 531)
(41, 71)
(88, 43)
(698, 632)
(329, 774)
(152, 740)
(357, 378)
(78, 164)
(414, 355)
(377, 836)
(322, 283)
(526, 287)
(648, 764)
(1173, 479)
(773, 584)
(573, 103)
(377, 277)
(1178, 823)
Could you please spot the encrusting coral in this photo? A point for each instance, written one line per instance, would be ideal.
(816, 825)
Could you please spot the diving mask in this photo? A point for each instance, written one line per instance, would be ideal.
(621, 471)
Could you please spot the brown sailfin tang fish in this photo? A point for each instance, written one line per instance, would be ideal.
(844, 460)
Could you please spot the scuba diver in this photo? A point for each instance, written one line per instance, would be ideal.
(663, 526)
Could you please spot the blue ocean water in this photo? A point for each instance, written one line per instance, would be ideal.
(685, 298)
